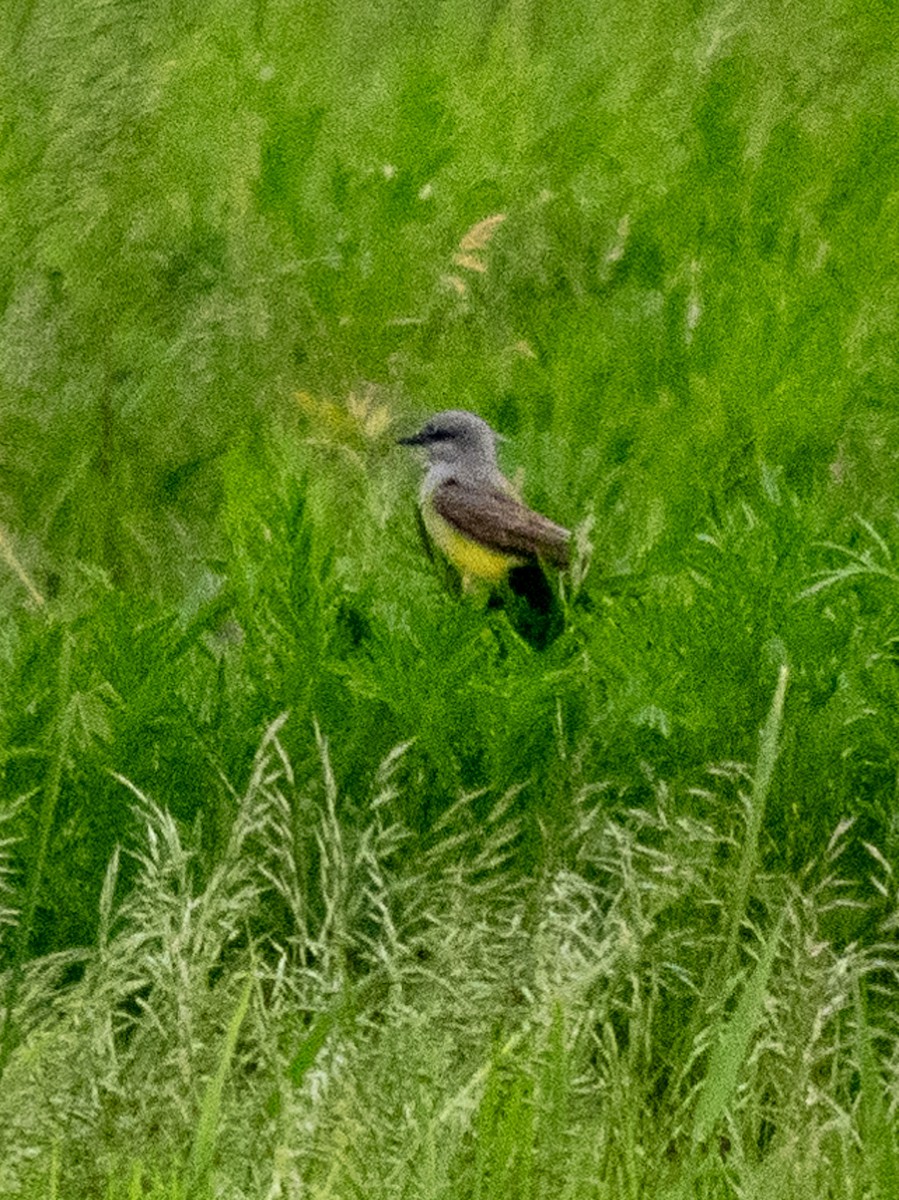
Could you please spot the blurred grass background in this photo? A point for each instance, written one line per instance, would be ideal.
(244, 246)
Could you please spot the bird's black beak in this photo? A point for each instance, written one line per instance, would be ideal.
(417, 439)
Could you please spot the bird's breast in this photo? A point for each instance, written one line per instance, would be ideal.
(468, 556)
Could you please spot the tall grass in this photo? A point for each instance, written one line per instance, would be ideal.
(464, 919)
(451, 1028)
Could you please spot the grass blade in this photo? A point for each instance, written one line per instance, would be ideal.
(729, 1054)
(62, 734)
(210, 1110)
(877, 1130)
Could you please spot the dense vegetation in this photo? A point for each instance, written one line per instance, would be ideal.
(316, 879)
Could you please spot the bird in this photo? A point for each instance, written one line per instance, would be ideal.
(471, 513)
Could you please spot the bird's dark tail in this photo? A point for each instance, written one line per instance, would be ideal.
(532, 606)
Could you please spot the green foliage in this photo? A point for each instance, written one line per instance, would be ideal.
(477, 919)
(440, 1026)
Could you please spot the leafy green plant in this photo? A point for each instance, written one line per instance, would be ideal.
(470, 919)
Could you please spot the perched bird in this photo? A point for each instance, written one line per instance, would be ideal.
(471, 513)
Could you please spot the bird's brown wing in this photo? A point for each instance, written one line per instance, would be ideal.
(500, 522)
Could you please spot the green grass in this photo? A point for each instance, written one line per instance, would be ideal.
(446, 1027)
(314, 877)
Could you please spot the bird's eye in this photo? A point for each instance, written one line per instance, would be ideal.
(438, 435)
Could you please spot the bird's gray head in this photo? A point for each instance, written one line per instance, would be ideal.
(457, 437)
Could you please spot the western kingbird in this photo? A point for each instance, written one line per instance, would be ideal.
(472, 515)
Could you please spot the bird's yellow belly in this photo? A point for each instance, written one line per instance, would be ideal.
(471, 558)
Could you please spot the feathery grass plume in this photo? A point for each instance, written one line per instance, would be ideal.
(147, 1012)
(518, 1021)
